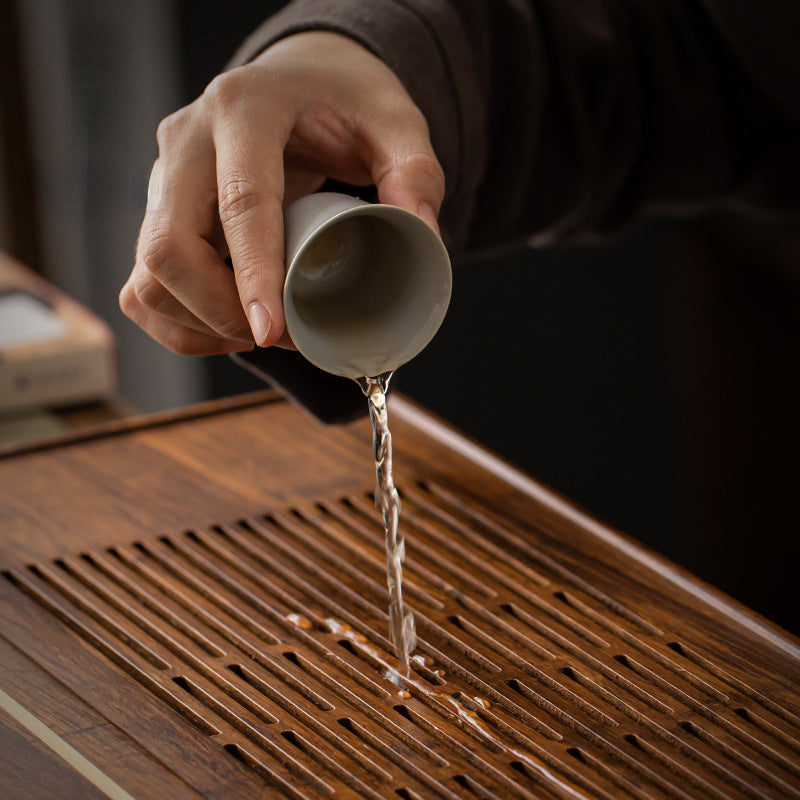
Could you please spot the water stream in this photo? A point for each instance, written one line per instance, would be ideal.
(401, 623)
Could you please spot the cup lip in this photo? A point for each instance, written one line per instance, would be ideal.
(363, 208)
(367, 209)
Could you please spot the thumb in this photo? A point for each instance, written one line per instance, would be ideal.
(405, 169)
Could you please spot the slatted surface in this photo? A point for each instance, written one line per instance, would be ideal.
(268, 636)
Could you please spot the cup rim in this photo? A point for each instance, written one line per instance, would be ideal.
(378, 210)
(365, 208)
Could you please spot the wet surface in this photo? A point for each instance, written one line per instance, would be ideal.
(268, 635)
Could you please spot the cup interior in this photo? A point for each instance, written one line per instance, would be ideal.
(367, 291)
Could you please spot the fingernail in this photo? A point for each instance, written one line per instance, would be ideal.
(428, 214)
(260, 322)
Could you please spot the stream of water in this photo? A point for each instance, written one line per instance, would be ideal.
(401, 622)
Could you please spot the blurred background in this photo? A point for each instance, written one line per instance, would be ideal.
(652, 379)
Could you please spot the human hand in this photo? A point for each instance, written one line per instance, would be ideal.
(313, 106)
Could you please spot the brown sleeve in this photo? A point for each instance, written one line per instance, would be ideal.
(564, 118)
(426, 45)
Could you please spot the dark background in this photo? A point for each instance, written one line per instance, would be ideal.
(651, 379)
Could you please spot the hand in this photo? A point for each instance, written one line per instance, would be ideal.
(313, 106)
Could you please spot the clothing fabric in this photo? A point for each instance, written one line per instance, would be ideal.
(568, 118)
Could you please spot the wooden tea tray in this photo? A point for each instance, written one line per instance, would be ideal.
(194, 606)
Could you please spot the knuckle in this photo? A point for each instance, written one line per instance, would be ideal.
(150, 293)
(227, 89)
(414, 116)
(159, 250)
(249, 270)
(428, 165)
(170, 127)
(237, 196)
(127, 300)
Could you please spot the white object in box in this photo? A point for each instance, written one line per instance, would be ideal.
(53, 351)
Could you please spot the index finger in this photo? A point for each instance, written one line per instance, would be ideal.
(249, 144)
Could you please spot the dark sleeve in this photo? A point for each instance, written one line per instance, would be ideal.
(564, 118)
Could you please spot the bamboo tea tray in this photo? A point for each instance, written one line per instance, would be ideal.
(194, 605)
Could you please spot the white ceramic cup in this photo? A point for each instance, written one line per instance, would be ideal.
(367, 286)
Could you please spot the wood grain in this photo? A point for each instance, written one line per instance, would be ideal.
(198, 605)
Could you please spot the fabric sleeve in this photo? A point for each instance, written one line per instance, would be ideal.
(561, 119)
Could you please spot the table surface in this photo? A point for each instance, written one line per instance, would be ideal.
(193, 605)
